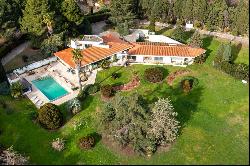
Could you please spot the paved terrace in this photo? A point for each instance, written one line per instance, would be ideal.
(58, 71)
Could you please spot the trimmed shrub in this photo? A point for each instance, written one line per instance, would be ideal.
(107, 91)
(82, 95)
(86, 142)
(186, 86)
(74, 106)
(58, 144)
(153, 74)
(50, 117)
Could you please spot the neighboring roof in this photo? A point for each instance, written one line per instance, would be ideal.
(93, 54)
(159, 50)
(111, 38)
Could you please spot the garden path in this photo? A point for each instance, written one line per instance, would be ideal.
(15, 52)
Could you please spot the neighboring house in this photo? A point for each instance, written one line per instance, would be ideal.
(95, 49)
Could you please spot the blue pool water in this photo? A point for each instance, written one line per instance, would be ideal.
(50, 88)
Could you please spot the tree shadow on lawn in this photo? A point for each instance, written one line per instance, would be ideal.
(207, 40)
(87, 101)
(235, 51)
(186, 104)
(116, 71)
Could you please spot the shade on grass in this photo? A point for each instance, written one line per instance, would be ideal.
(214, 116)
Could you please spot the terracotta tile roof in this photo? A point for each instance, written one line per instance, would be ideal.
(111, 38)
(93, 54)
(161, 50)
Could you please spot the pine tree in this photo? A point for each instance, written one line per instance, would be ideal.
(156, 10)
(200, 10)
(196, 40)
(215, 17)
(122, 15)
(240, 18)
(33, 17)
(71, 11)
(187, 10)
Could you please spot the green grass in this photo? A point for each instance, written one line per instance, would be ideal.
(214, 117)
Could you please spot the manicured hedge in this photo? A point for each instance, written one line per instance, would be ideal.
(86, 142)
(50, 117)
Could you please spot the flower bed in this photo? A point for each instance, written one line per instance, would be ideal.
(129, 86)
(171, 77)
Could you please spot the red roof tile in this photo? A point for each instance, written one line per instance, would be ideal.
(165, 50)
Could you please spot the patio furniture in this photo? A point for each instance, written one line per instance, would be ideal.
(36, 100)
(33, 98)
(39, 103)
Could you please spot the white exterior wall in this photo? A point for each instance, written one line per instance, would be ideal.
(139, 58)
(167, 60)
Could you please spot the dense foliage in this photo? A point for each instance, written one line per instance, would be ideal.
(52, 44)
(16, 89)
(129, 121)
(92, 88)
(223, 61)
(196, 40)
(153, 74)
(50, 116)
(11, 157)
(122, 15)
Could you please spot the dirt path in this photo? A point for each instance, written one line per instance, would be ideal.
(15, 52)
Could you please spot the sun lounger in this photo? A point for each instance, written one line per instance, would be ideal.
(33, 98)
(36, 100)
(39, 103)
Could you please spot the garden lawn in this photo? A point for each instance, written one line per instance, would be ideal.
(214, 116)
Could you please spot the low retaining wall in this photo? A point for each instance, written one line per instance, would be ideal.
(35, 65)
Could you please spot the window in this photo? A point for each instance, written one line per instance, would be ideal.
(88, 45)
(158, 58)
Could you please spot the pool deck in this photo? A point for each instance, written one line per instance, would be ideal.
(58, 72)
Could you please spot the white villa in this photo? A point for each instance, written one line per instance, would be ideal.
(55, 79)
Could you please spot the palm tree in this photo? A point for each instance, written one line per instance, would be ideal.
(77, 57)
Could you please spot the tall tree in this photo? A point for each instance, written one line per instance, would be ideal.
(34, 14)
(71, 11)
(77, 58)
(187, 10)
(215, 17)
(155, 10)
(10, 12)
(196, 40)
(240, 18)
(122, 15)
(200, 10)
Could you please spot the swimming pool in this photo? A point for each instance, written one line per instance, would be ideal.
(50, 88)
